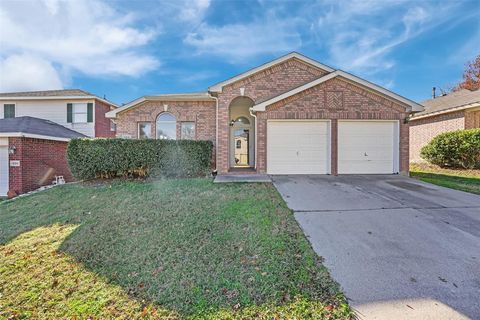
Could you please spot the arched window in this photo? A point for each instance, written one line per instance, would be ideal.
(166, 126)
(242, 121)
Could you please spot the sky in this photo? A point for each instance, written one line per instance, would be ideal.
(126, 49)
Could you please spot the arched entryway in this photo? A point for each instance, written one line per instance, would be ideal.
(242, 133)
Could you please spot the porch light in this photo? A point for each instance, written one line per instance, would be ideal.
(12, 149)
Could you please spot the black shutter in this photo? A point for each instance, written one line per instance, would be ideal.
(69, 113)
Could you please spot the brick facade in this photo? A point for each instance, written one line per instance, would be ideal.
(102, 123)
(259, 87)
(335, 99)
(422, 131)
(40, 160)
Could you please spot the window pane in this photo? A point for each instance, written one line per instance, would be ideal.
(166, 126)
(9, 111)
(242, 120)
(166, 130)
(166, 117)
(144, 130)
(80, 112)
(188, 130)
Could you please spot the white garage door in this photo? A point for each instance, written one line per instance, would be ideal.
(298, 147)
(367, 147)
(3, 171)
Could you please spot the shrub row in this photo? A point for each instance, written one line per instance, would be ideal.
(108, 158)
(456, 149)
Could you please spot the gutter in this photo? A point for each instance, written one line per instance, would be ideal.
(256, 134)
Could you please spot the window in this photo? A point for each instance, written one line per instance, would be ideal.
(242, 120)
(166, 126)
(9, 110)
(113, 126)
(79, 112)
(144, 130)
(239, 144)
(188, 130)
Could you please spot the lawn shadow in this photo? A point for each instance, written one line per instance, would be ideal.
(469, 184)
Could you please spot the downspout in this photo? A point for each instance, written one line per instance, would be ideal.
(256, 134)
(216, 130)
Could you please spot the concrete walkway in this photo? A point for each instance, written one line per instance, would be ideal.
(400, 248)
(242, 178)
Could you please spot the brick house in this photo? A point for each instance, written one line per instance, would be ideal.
(35, 128)
(296, 115)
(455, 111)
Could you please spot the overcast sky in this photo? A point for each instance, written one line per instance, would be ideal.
(126, 49)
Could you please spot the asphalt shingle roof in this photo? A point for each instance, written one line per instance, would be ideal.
(48, 93)
(452, 100)
(30, 125)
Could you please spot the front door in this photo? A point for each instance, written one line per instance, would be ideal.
(241, 147)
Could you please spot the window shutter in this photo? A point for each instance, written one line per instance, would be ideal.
(69, 113)
(89, 112)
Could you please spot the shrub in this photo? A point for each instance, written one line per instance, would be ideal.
(108, 158)
(457, 149)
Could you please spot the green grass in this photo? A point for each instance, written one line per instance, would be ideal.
(465, 180)
(169, 249)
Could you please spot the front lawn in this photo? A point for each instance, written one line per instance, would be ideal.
(465, 180)
(169, 249)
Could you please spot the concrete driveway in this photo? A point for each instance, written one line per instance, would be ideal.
(400, 248)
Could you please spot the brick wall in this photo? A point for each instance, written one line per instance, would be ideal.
(335, 99)
(40, 161)
(422, 131)
(102, 124)
(203, 113)
(472, 119)
(259, 87)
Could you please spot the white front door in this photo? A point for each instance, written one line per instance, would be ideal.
(368, 147)
(298, 147)
(3, 171)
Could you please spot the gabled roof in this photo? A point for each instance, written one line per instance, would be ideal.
(412, 105)
(458, 100)
(52, 95)
(198, 96)
(36, 128)
(218, 87)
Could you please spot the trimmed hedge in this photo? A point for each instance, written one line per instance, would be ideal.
(108, 158)
(456, 149)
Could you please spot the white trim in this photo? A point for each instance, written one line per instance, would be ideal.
(413, 106)
(329, 144)
(164, 97)
(8, 169)
(436, 113)
(218, 87)
(59, 98)
(31, 135)
(396, 141)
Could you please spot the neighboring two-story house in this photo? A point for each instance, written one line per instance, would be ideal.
(35, 128)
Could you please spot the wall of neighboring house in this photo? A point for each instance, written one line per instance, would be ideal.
(40, 161)
(472, 119)
(103, 125)
(423, 130)
(53, 110)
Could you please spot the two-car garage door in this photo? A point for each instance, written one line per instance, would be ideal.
(303, 147)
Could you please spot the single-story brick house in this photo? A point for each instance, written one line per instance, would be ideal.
(32, 153)
(455, 111)
(295, 115)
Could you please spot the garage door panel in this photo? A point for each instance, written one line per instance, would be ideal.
(366, 147)
(298, 147)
